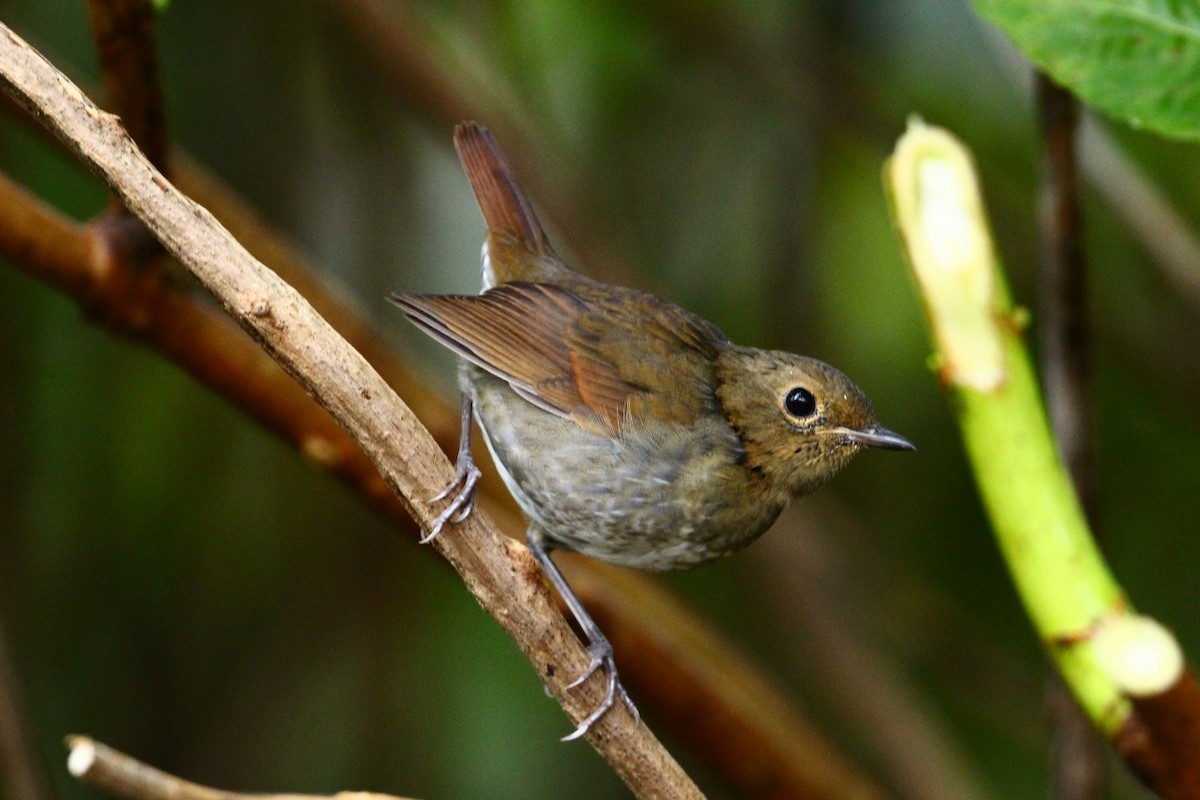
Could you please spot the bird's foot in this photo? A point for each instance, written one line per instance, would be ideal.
(602, 659)
(461, 490)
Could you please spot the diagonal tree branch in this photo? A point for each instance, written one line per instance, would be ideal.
(101, 766)
(498, 572)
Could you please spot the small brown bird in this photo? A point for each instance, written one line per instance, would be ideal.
(626, 427)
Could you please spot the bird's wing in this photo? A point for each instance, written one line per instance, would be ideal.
(599, 363)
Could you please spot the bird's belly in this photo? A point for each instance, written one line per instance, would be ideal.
(659, 498)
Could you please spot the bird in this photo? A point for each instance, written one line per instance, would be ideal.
(626, 427)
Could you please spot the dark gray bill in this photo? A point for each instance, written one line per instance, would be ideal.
(879, 436)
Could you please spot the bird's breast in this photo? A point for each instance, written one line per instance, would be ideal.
(658, 497)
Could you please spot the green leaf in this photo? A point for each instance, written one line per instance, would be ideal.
(1137, 60)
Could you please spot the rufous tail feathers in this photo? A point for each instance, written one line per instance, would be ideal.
(505, 206)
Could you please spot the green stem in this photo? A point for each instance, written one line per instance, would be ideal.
(1062, 579)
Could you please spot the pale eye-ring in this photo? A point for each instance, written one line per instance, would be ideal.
(800, 402)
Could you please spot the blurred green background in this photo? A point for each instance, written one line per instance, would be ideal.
(182, 586)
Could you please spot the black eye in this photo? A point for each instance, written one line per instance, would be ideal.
(800, 402)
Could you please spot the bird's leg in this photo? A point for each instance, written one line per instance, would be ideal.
(598, 645)
(466, 475)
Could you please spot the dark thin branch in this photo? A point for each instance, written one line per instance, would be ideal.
(124, 34)
(123, 31)
(1080, 770)
(1063, 320)
(1160, 739)
(101, 766)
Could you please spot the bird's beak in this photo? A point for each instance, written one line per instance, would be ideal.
(878, 436)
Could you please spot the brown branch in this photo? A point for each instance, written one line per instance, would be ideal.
(124, 34)
(1080, 770)
(1063, 323)
(499, 573)
(101, 766)
(1160, 739)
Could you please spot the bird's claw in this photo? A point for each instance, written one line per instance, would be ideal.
(466, 476)
(602, 659)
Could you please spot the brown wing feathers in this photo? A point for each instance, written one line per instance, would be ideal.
(525, 333)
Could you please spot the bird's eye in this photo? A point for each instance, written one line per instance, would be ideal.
(800, 402)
